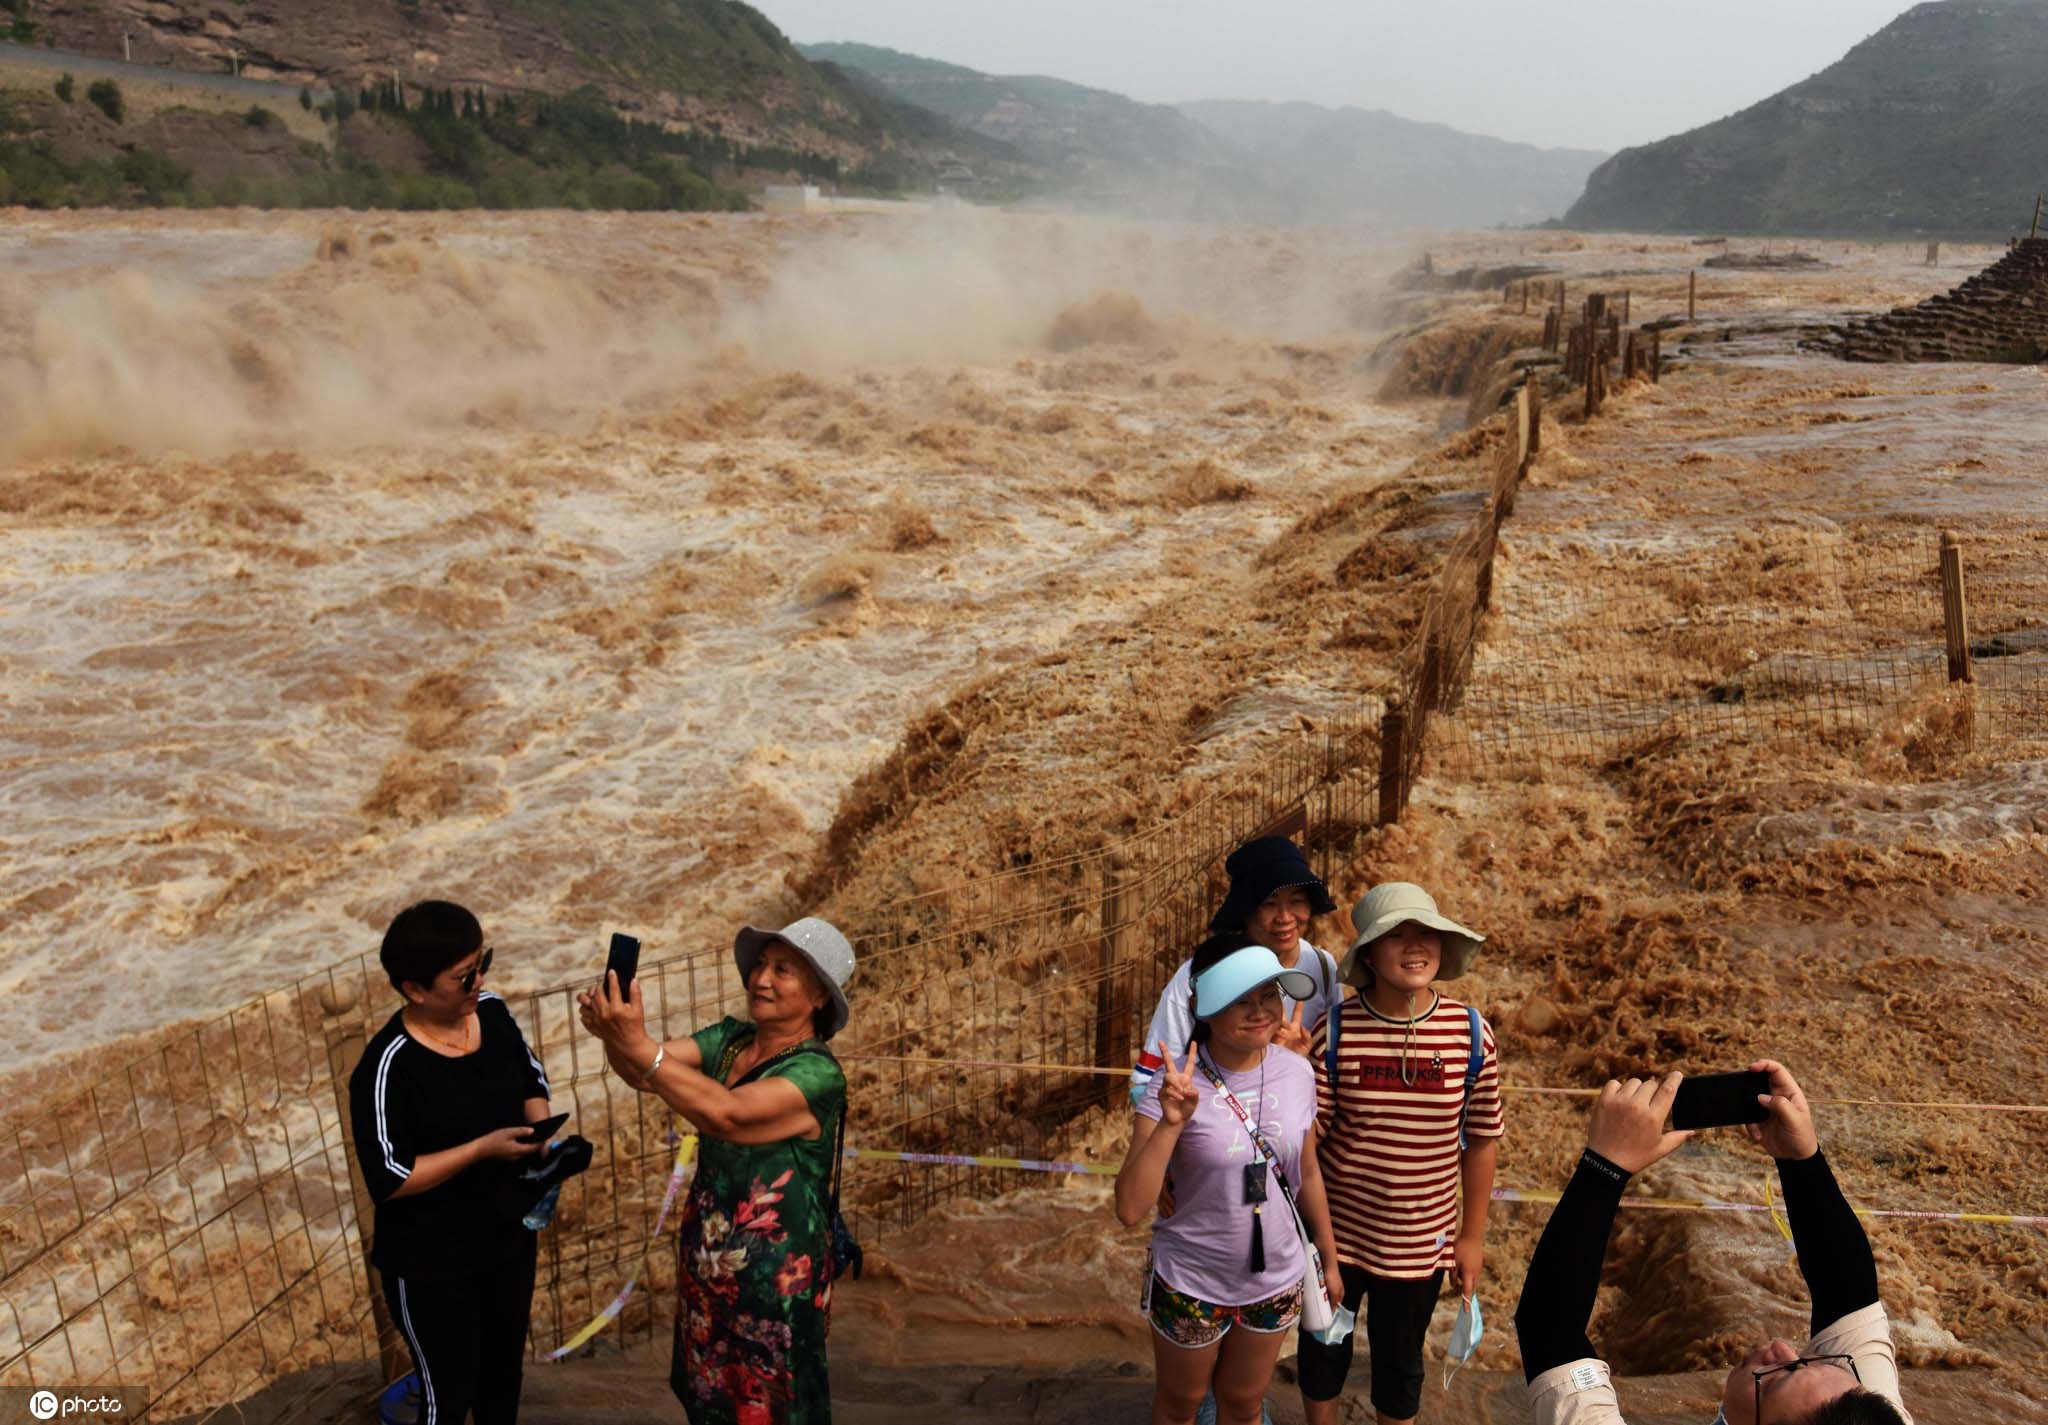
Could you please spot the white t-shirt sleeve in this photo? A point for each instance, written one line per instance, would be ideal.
(1575, 1393)
(1865, 1334)
(1172, 1019)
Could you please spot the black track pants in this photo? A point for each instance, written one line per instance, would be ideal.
(467, 1334)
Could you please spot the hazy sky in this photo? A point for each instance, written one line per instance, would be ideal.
(1569, 73)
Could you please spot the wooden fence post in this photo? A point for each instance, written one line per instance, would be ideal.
(1535, 430)
(1692, 280)
(1656, 358)
(1112, 965)
(346, 1035)
(1393, 760)
(1955, 608)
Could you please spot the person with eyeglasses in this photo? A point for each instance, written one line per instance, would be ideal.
(1847, 1374)
(440, 1106)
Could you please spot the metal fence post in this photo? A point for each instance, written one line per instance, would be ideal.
(1112, 1006)
(345, 1033)
(1393, 760)
(1955, 608)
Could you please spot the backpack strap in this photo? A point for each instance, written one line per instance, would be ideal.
(1472, 1069)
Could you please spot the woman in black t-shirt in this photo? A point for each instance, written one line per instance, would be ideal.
(439, 1106)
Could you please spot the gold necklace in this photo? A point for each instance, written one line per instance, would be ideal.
(462, 1048)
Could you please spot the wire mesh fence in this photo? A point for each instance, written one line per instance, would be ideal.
(188, 1224)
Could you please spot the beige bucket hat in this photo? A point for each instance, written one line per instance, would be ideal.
(1388, 904)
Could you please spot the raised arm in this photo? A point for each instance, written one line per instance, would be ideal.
(1155, 1132)
(1834, 1252)
(1624, 1135)
(768, 1110)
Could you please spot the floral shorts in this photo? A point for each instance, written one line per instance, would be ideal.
(1191, 1322)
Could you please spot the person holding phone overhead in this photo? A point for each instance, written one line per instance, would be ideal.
(756, 1249)
(1846, 1374)
(441, 1107)
(1233, 1121)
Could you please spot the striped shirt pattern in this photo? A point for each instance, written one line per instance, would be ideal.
(1389, 1150)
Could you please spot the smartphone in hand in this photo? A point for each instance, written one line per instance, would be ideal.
(1720, 1100)
(623, 961)
(547, 1128)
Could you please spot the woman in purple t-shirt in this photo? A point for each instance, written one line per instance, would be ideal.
(1225, 1271)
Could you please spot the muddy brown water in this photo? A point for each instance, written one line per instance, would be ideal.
(578, 567)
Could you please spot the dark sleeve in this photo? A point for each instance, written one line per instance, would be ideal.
(379, 1118)
(1564, 1273)
(1834, 1253)
(534, 1072)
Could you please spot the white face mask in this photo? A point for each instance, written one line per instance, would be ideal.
(1466, 1333)
(1340, 1328)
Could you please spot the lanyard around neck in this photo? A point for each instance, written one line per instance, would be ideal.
(1251, 1128)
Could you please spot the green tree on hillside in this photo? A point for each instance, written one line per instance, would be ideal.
(107, 95)
(66, 88)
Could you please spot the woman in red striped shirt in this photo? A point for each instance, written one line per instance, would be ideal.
(1408, 1120)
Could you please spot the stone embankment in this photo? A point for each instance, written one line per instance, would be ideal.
(2001, 314)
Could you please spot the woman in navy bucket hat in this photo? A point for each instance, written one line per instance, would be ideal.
(1273, 897)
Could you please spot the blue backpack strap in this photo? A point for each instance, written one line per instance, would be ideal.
(1335, 1018)
(1472, 1069)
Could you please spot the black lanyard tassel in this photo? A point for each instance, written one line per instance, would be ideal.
(1258, 1239)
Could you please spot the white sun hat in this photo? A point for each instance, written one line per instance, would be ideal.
(1385, 907)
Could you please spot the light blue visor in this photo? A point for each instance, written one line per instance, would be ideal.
(1240, 972)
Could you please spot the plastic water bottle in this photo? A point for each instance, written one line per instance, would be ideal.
(543, 1211)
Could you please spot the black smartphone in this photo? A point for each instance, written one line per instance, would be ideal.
(624, 960)
(547, 1128)
(1718, 1100)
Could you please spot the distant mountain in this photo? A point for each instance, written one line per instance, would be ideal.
(1929, 127)
(1069, 127)
(1272, 161)
(1337, 164)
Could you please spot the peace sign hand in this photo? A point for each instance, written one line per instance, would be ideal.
(1292, 1035)
(1178, 1096)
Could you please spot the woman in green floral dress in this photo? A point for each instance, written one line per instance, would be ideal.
(756, 1271)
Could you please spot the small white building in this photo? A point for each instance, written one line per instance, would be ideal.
(791, 198)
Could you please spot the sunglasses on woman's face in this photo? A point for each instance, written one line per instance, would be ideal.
(476, 972)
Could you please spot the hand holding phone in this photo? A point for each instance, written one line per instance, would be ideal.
(547, 1128)
(1787, 1130)
(1627, 1124)
(623, 961)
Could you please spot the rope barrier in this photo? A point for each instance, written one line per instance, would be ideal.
(1541, 1196)
(686, 1149)
(1044, 1068)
